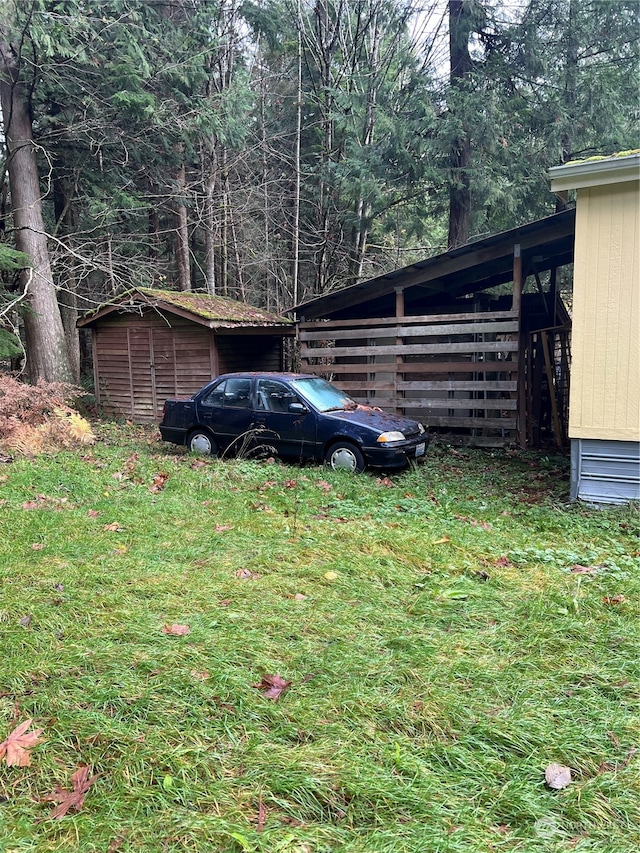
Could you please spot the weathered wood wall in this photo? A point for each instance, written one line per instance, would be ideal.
(139, 362)
(454, 371)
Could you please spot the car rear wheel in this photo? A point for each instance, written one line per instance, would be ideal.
(344, 456)
(201, 441)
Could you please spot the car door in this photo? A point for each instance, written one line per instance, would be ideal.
(226, 409)
(289, 424)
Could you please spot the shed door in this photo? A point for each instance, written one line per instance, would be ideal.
(163, 363)
(142, 380)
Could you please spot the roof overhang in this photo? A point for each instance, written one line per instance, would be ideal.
(596, 172)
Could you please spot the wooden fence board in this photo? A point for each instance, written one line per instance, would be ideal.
(409, 349)
(407, 319)
(402, 331)
(416, 367)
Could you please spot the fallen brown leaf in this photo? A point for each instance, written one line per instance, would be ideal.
(220, 528)
(583, 570)
(614, 599)
(159, 482)
(273, 686)
(15, 749)
(247, 575)
(384, 481)
(114, 526)
(74, 799)
(200, 674)
(176, 630)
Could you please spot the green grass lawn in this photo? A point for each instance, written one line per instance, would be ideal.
(441, 645)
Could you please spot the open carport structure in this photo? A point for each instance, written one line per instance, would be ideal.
(474, 341)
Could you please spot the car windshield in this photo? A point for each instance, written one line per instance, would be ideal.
(323, 395)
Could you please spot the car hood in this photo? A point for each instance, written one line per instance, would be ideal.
(377, 421)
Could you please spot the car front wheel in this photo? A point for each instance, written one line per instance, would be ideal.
(201, 441)
(344, 456)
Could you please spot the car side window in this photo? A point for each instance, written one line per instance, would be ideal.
(231, 394)
(215, 397)
(237, 394)
(274, 396)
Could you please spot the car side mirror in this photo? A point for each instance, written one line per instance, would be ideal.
(297, 408)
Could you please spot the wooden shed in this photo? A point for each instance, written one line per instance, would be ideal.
(149, 345)
(604, 407)
(440, 341)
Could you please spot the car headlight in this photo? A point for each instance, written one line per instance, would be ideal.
(394, 435)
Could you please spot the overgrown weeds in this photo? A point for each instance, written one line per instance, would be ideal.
(40, 418)
(448, 632)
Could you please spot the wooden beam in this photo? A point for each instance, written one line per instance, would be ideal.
(411, 349)
(419, 367)
(407, 319)
(552, 389)
(498, 327)
(517, 308)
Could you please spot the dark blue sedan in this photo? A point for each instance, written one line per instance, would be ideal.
(301, 416)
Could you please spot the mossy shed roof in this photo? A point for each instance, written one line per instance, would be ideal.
(216, 312)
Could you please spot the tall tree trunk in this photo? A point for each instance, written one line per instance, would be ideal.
(47, 355)
(460, 152)
(295, 277)
(67, 283)
(182, 234)
(209, 234)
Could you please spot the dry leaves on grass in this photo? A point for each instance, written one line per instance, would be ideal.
(583, 570)
(46, 502)
(73, 799)
(614, 599)
(159, 482)
(16, 748)
(273, 686)
(247, 575)
(385, 481)
(176, 630)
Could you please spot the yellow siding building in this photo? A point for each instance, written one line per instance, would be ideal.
(604, 401)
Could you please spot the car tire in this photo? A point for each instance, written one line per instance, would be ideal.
(201, 441)
(345, 456)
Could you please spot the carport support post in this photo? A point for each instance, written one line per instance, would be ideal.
(516, 307)
(399, 358)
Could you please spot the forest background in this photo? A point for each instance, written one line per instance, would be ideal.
(275, 150)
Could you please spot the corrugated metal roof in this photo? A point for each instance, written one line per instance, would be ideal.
(215, 311)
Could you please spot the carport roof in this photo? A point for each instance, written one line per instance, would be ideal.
(544, 244)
